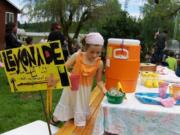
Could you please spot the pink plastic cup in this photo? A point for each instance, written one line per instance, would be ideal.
(75, 78)
(163, 89)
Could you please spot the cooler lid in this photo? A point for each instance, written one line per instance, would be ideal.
(118, 41)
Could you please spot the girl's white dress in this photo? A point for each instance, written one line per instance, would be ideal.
(75, 104)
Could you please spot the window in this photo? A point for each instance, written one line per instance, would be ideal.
(9, 17)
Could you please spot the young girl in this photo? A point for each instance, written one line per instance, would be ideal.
(87, 64)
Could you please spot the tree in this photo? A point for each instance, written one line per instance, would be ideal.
(68, 11)
(157, 17)
(119, 25)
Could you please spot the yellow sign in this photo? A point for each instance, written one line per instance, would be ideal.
(29, 68)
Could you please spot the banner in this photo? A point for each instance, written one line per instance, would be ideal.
(32, 68)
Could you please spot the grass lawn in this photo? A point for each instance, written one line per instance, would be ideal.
(17, 109)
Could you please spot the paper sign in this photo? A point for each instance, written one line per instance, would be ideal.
(29, 67)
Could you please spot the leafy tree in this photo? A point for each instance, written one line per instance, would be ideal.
(68, 11)
(157, 17)
(121, 25)
(34, 26)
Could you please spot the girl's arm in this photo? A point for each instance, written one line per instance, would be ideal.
(70, 62)
(100, 82)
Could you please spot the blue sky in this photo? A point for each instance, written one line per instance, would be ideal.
(132, 8)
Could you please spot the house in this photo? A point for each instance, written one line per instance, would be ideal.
(8, 13)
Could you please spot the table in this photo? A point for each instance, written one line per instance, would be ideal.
(134, 118)
(35, 128)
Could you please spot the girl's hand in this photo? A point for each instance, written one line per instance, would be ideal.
(101, 85)
(104, 90)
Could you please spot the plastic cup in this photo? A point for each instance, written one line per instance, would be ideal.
(74, 78)
(175, 91)
(163, 86)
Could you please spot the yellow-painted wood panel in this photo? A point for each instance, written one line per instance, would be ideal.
(70, 129)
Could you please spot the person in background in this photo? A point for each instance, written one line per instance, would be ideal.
(65, 49)
(160, 45)
(172, 62)
(178, 68)
(87, 65)
(11, 36)
(83, 45)
(148, 57)
(43, 40)
(165, 56)
(56, 34)
(29, 40)
(75, 46)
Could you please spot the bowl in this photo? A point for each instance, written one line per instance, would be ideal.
(117, 99)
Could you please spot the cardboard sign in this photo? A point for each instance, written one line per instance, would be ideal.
(29, 68)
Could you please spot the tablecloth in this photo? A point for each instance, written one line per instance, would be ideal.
(134, 118)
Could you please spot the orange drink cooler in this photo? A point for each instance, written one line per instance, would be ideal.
(122, 63)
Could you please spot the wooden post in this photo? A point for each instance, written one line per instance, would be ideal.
(50, 85)
(45, 113)
(49, 101)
